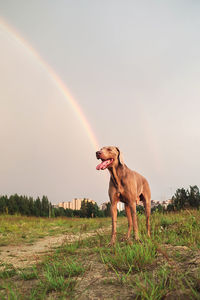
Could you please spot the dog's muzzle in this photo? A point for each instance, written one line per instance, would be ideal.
(98, 154)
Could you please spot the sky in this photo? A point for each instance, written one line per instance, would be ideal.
(133, 68)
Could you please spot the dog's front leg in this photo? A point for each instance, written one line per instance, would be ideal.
(114, 220)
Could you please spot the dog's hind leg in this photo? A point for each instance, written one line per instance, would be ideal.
(130, 222)
(134, 218)
(147, 206)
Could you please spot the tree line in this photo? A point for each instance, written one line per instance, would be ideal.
(28, 206)
(183, 199)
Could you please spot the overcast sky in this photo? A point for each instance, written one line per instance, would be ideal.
(134, 69)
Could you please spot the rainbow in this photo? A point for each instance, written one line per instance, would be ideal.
(14, 35)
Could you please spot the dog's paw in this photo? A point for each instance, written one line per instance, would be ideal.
(125, 238)
(129, 242)
(112, 243)
(139, 241)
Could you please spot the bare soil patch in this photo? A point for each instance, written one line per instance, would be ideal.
(21, 256)
(100, 283)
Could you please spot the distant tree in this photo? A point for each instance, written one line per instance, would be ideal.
(179, 200)
(45, 207)
(101, 213)
(69, 212)
(159, 208)
(12, 204)
(3, 204)
(185, 198)
(83, 210)
(89, 209)
(95, 210)
(38, 207)
(140, 209)
(52, 212)
(121, 213)
(194, 196)
(170, 207)
(23, 205)
(31, 207)
(107, 211)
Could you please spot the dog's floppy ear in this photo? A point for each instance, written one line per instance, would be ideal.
(120, 157)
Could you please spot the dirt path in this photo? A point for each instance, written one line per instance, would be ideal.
(22, 256)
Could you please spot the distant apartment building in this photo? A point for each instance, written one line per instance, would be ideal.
(75, 204)
(141, 203)
(55, 205)
(103, 206)
(166, 203)
(120, 206)
(154, 203)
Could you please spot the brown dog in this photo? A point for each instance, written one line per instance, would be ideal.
(126, 186)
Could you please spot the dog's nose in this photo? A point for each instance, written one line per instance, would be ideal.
(98, 153)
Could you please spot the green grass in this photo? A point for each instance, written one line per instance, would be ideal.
(7, 271)
(28, 274)
(17, 229)
(57, 275)
(126, 257)
(177, 229)
(166, 264)
(154, 286)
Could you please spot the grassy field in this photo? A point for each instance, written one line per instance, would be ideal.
(167, 266)
(16, 229)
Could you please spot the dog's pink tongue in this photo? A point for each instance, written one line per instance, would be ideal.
(103, 165)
